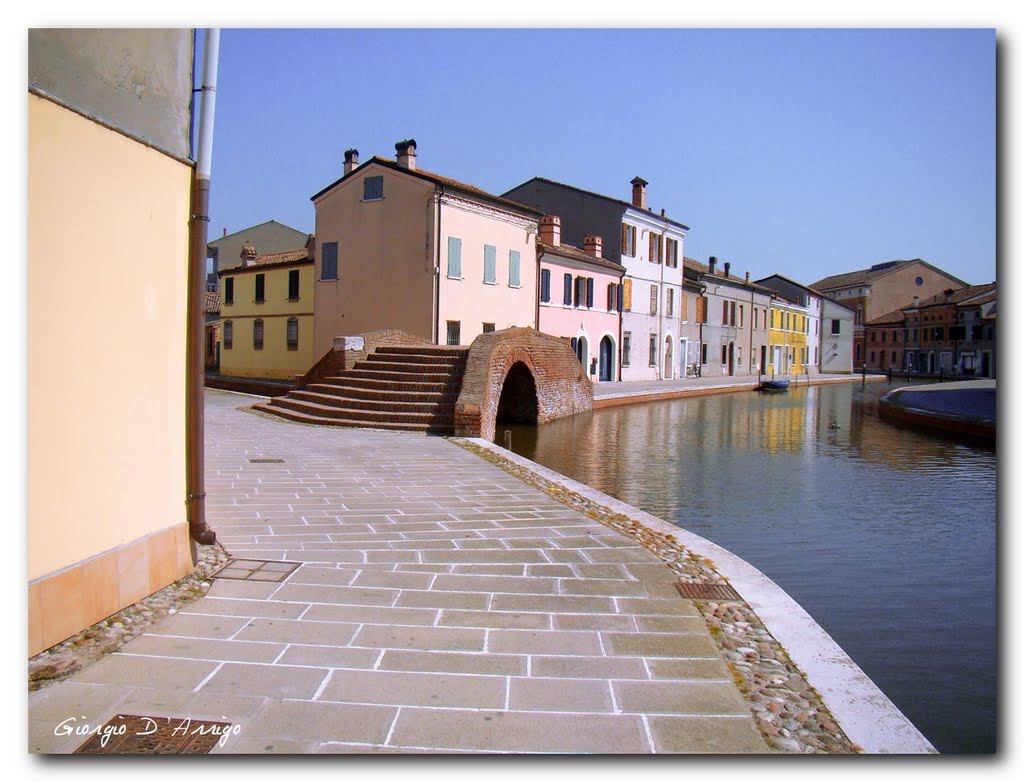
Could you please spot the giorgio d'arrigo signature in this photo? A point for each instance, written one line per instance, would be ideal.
(146, 726)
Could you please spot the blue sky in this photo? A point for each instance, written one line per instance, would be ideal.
(805, 152)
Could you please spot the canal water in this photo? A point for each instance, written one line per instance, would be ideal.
(885, 535)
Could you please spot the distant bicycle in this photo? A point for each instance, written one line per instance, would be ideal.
(693, 370)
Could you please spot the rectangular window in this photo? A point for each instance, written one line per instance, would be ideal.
(627, 295)
(373, 188)
(732, 313)
(669, 303)
(454, 329)
(293, 285)
(835, 326)
(580, 293)
(513, 268)
(684, 306)
(703, 354)
(545, 285)
(652, 350)
(725, 313)
(741, 317)
(261, 288)
(229, 290)
(654, 248)
(611, 296)
(329, 261)
(619, 297)
(257, 334)
(293, 334)
(628, 239)
(567, 289)
(488, 328)
(490, 264)
(672, 252)
(590, 292)
(229, 334)
(627, 340)
(454, 258)
(654, 299)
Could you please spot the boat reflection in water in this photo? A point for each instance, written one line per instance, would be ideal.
(885, 535)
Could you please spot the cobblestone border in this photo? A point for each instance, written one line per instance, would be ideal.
(788, 711)
(110, 634)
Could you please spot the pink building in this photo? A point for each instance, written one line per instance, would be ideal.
(580, 299)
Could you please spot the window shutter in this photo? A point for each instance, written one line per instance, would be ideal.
(513, 268)
(619, 293)
(490, 263)
(611, 296)
(329, 261)
(654, 299)
(567, 289)
(545, 285)
(683, 304)
(632, 240)
(454, 257)
(590, 292)
(627, 294)
(650, 247)
(624, 246)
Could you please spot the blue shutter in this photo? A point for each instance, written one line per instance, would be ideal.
(545, 285)
(490, 264)
(567, 289)
(590, 292)
(454, 257)
(620, 297)
(513, 268)
(329, 261)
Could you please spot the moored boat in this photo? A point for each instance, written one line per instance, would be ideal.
(774, 386)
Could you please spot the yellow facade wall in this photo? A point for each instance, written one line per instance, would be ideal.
(275, 361)
(107, 271)
(788, 326)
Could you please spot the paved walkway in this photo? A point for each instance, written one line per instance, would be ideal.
(441, 606)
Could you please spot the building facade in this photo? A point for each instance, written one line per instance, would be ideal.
(787, 338)
(402, 248)
(811, 301)
(647, 245)
(836, 344)
(937, 340)
(881, 289)
(268, 238)
(109, 175)
(266, 316)
(580, 299)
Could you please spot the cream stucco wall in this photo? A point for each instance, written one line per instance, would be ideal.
(107, 254)
(471, 301)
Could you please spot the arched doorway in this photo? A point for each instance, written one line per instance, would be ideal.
(579, 346)
(732, 358)
(668, 359)
(518, 401)
(607, 359)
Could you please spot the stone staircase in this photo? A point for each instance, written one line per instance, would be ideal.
(408, 387)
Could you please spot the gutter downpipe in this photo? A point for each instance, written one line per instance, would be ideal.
(195, 498)
(437, 273)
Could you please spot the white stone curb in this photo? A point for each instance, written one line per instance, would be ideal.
(867, 716)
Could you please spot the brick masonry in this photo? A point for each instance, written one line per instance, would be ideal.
(561, 387)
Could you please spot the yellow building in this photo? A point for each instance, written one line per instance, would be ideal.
(109, 181)
(266, 316)
(787, 338)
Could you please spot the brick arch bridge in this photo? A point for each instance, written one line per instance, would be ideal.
(519, 375)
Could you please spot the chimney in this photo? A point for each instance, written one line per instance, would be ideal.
(747, 279)
(551, 230)
(406, 153)
(248, 254)
(639, 193)
(711, 264)
(225, 232)
(917, 300)
(727, 265)
(351, 160)
(592, 245)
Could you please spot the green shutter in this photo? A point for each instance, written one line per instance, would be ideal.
(513, 268)
(454, 257)
(490, 263)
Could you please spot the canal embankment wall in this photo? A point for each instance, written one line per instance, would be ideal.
(867, 716)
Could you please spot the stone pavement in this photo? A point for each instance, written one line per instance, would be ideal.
(442, 605)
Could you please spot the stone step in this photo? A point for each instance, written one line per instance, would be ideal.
(306, 418)
(386, 392)
(370, 385)
(394, 364)
(431, 350)
(441, 359)
(395, 404)
(387, 372)
(367, 417)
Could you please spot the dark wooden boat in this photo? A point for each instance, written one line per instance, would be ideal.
(774, 386)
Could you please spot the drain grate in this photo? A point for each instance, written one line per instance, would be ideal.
(256, 570)
(266, 461)
(129, 734)
(693, 590)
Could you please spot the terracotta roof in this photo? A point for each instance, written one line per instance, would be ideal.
(286, 258)
(982, 298)
(889, 318)
(865, 276)
(569, 251)
(600, 195)
(436, 179)
(704, 269)
(212, 302)
(958, 295)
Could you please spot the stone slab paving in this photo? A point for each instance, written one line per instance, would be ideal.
(442, 605)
